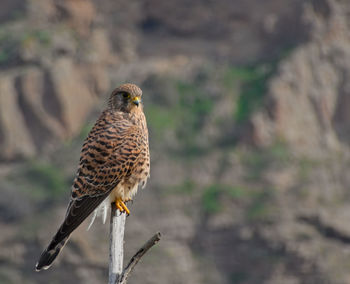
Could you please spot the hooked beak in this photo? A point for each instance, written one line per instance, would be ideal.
(136, 101)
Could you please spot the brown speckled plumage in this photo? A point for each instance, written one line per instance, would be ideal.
(114, 162)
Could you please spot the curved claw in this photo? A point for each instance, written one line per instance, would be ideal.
(121, 206)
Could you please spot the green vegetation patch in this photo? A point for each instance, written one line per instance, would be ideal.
(160, 118)
(186, 187)
(45, 181)
(251, 82)
(195, 100)
(210, 199)
(259, 160)
(212, 194)
(8, 46)
(43, 37)
(11, 42)
(185, 116)
(259, 208)
(255, 202)
(195, 105)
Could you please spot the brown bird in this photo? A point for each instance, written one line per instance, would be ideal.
(114, 161)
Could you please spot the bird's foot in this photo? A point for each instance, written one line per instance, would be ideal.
(121, 206)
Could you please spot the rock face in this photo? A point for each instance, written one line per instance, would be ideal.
(263, 199)
(53, 73)
(307, 107)
(15, 137)
(308, 98)
(224, 30)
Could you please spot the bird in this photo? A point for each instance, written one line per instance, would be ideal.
(114, 163)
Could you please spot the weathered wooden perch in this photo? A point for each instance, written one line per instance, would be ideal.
(116, 249)
(116, 245)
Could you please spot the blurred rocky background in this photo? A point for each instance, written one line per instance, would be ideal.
(248, 105)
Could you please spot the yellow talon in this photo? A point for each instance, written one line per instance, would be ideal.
(117, 204)
(121, 206)
(127, 211)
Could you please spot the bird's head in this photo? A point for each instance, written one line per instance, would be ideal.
(126, 98)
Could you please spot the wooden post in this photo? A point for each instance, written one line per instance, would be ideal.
(116, 249)
(116, 245)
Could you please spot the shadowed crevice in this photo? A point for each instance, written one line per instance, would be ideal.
(50, 100)
(341, 117)
(325, 230)
(40, 134)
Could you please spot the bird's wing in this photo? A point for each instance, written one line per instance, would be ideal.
(103, 164)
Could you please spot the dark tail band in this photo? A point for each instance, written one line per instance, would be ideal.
(77, 211)
(49, 255)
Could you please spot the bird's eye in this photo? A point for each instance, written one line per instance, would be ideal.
(125, 95)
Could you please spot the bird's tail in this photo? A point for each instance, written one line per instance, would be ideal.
(50, 254)
(78, 210)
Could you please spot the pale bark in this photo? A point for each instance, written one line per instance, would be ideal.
(116, 245)
(116, 249)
